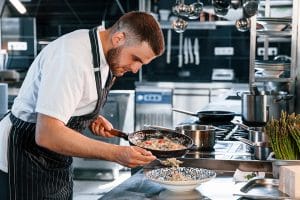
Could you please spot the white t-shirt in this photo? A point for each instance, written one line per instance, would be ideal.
(60, 83)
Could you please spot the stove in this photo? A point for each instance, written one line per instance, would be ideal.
(228, 130)
(226, 147)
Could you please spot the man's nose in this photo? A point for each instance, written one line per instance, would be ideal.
(136, 67)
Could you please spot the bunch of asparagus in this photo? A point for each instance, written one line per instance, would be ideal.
(284, 135)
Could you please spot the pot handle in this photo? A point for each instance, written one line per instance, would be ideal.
(119, 133)
(155, 127)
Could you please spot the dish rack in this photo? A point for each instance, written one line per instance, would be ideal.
(266, 29)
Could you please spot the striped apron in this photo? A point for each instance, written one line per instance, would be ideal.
(36, 173)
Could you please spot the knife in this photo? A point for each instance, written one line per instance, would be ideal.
(185, 51)
(190, 48)
(196, 51)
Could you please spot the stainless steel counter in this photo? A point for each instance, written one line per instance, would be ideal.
(138, 187)
(196, 85)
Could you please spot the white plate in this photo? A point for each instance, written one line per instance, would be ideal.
(196, 176)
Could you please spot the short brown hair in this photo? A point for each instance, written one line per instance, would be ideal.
(144, 27)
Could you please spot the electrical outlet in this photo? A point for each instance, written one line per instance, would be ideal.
(272, 51)
(224, 51)
(17, 46)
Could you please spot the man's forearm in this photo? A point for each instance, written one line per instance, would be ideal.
(54, 135)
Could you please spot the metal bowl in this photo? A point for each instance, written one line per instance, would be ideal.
(274, 24)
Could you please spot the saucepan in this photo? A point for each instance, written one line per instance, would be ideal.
(210, 116)
(137, 137)
(203, 136)
(256, 134)
(262, 150)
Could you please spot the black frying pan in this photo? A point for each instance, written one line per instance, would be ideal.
(210, 116)
(143, 135)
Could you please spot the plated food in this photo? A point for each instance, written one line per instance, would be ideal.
(181, 178)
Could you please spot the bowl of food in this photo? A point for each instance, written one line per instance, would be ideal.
(180, 179)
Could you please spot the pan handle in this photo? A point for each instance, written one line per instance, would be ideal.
(185, 112)
(119, 133)
(246, 141)
(155, 127)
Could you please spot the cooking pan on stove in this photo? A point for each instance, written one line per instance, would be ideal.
(210, 116)
(139, 136)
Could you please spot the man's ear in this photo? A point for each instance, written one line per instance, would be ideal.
(118, 39)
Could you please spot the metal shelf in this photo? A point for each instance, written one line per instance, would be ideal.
(196, 25)
(274, 33)
(282, 80)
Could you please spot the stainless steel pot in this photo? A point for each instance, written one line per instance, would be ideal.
(262, 150)
(257, 134)
(254, 109)
(203, 136)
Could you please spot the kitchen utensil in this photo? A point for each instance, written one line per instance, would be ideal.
(179, 25)
(203, 135)
(255, 111)
(210, 116)
(139, 136)
(262, 188)
(195, 10)
(194, 176)
(221, 4)
(243, 24)
(250, 8)
(221, 11)
(169, 44)
(185, 51)
(181, 9)
(196, 51)
(235, 4)
(262, 150)
(274, 24)
(180, 50)
(190, 50)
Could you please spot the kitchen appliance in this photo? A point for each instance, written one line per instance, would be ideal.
(153, 106)
(219, 74)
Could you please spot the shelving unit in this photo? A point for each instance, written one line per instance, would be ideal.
(266, 37)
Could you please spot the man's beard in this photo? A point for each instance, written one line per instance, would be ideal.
(113, 56)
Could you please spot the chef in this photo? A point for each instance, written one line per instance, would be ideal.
(62, 94)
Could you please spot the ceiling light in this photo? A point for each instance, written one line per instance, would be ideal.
(19, 6)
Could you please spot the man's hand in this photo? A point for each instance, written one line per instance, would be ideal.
(101, 127)
(132, 156)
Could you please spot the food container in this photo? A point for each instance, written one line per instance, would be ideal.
(203, 136)
(254, 109)
(262, 150)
